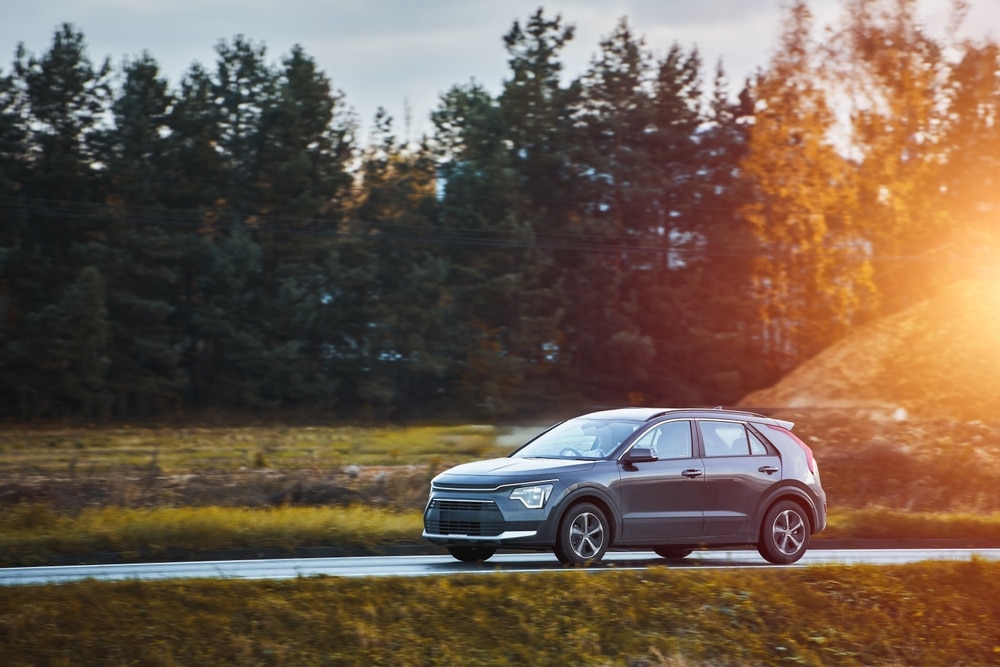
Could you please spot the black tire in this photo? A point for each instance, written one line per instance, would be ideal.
(584, 535)
(472, 554)
(784, 535)
(673, 552)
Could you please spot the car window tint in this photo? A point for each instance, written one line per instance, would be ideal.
(757, 448)
(724, 438)
(738, 443)
(668, 441)
(648, 439)
(579, 438)
(619, 431)
(674, 441)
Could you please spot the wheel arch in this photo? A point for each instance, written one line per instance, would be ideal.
(589, 494)
(788, 492)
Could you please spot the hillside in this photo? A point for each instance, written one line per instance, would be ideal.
(939, 359)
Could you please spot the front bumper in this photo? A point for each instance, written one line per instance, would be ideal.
(455, 538)
(494, 520)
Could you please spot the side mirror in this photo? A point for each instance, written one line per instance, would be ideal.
(641, 454)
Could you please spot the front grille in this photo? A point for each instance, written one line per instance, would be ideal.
(464, 517)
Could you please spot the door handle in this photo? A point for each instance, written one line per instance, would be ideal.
(770, 470)
(691, 473)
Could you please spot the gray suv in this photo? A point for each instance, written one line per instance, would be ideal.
(669, 480)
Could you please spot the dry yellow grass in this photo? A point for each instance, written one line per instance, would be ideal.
(922, 614)
(33, 534)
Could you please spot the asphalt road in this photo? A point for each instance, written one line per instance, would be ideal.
(413, 566)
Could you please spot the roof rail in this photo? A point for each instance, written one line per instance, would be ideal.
(740, 412)
(747, 413)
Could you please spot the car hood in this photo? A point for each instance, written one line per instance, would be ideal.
(507, 470)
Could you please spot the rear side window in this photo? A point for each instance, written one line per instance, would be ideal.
(730, 439)
(777, 434)
(724, 438)
(757, 448)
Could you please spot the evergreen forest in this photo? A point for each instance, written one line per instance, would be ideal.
(649, 231)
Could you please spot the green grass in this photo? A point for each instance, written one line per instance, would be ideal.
(34, 450)
(35, 535)
(927, 614)
(127, 490)
(921, 614)
(886, 523)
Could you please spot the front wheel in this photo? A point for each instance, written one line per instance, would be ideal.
(472, 554)
(784, 536)
(584, 535)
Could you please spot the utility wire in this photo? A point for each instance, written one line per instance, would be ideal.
(400, 232)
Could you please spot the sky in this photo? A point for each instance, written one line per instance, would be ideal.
(403, 54)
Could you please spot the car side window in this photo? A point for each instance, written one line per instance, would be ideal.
(674, 441)
(671, 440)
(724, 438)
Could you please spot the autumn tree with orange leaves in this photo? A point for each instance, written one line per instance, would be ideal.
(811, 276)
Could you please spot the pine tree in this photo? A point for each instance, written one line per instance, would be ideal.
(232, 359)
(537, 111)
(724, 339)
(66, 98)
(54, 105)
(306, 145)
(620, 214)
(195, 179)
(145, 248)
(245, 90)
(304, 186)
(699, 299)
(489, 248)
(66, 344)
(13, 163)
(538, 116)
(407, 346)
(17, 278)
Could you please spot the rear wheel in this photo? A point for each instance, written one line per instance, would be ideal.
(784, 537)
(583, 535)
(673, 552)
(472, 554)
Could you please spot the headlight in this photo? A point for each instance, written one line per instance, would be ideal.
(532, 497)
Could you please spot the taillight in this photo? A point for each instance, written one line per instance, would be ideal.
(810, 459)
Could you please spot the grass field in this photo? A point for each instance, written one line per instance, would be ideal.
(139, 492)
(28, 450)
(35, 535)
(922, 614)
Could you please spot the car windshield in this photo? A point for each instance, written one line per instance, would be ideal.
(580, 438)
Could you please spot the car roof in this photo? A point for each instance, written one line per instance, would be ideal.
(648, 414)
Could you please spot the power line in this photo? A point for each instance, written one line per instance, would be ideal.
(401, 232)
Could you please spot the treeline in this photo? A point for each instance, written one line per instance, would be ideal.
(641, 233)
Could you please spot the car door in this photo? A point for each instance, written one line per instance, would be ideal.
(662, 499)
(739, 469)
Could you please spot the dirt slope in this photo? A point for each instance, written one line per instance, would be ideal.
(938, 359)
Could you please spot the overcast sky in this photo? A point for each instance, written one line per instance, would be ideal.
(402, 54)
